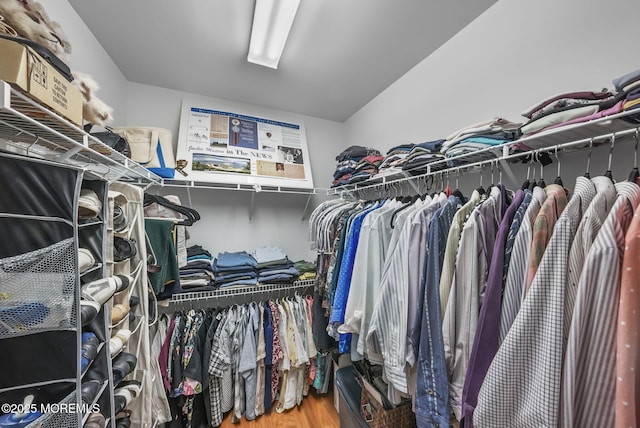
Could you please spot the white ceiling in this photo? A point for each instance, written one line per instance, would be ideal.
(340, 53)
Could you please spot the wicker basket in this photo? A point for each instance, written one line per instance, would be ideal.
(376, 416)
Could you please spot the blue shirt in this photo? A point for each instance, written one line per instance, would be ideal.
(432, 391)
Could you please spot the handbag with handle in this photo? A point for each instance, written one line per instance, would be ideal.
(152, 148)
(111, 139)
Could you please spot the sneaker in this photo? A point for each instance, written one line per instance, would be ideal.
(119, 219)
(118, 312)
(85, 260)
(18, 419)
(118, 340)
(125, 394)
(89, 311)
(89, 205)
(95, 420)
(103, 289)
(124, 422)
(122, 365)
(89, 350)
(123, 249)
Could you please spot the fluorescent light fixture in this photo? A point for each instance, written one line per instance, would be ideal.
(272, 20)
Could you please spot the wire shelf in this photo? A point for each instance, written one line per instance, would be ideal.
(567, 138)
(190, 184)
(30, 129)
(224, 297)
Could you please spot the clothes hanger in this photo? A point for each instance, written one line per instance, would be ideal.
(558, 179)
(481, 189)
(533, 183)
(526, 183)
(587, 174)
(541, 182)
(405, 205)
(608, 173)
(458, 193)
(635, 174)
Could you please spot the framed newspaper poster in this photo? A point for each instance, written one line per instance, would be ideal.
(218, 145)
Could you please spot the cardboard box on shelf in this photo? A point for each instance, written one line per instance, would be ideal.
(24, 68)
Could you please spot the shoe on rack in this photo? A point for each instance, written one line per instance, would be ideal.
(89, 349)
(89, 390)
(89, 205)
(120, 222)
(123, 422)
(89, 311)
(95, 420)
(122, 365)
(85, 260)
(118, 340)
(134, 301)
(118, 312)
(123, 249)
(20, 420)
(125, 394)
(103, 289)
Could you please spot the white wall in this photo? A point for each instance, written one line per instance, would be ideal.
(515, 54)
(226, 223)
(88, 56)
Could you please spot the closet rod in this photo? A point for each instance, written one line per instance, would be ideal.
(467, 167)
(222, 297)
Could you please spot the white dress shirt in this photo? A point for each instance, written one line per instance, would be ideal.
(386, 338)
(469, 279)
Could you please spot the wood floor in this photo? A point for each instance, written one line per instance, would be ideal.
(316, 411)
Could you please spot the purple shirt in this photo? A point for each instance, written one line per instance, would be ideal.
(487, 338)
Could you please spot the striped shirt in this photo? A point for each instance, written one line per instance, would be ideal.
(386, 338)
(470, 277)
(543, 227)
(588, 379)
(368, 266)
(453, 238)
(522, 385)
(587, 230)
(516, 275)
(627, 399)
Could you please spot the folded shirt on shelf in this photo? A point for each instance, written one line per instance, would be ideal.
(197, 250)
(623, 83)
(580, 95)
(557, 118)
(356, 152)
(226, 277)
(269, 254)
(228, 261)
(304, 266)
(238, 282)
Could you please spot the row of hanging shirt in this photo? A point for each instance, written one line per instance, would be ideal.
(511, 309)
(244, 359)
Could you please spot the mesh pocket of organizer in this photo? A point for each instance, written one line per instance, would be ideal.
(37, 290)
(58, 415)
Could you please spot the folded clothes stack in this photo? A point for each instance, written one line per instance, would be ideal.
(567, 108)
(478, 136)
(307, 269)
(629, 86)
(422, 155)
(356, 163)
(273, 265)
(235, 268)
(198, 271)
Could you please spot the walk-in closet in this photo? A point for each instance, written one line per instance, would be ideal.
(291, 213)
